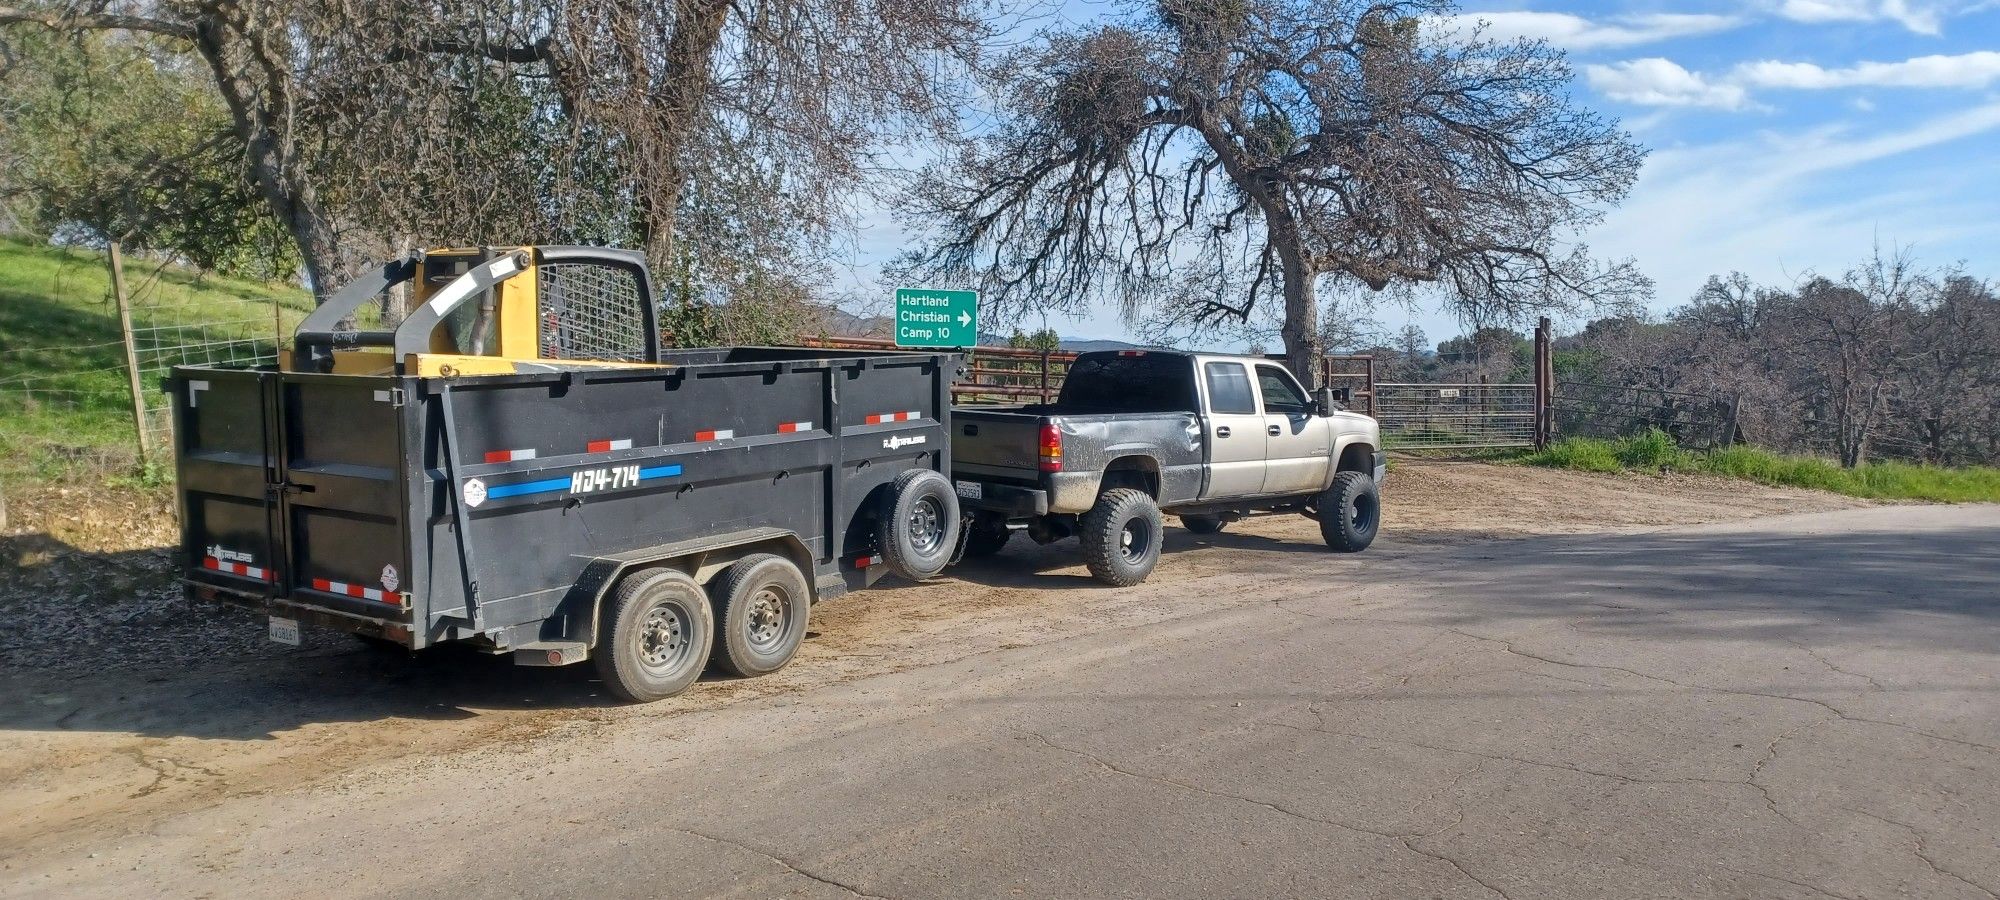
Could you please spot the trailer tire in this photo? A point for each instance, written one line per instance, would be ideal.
(762, 605)
(1200, 524)
(1121, 537)
(919, 530)
(658, 631)
(1350, 512)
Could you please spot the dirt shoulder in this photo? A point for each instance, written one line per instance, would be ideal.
(127, 704)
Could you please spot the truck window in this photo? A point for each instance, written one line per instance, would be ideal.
(1150, 382)
(1229, 389)
(1282, 396)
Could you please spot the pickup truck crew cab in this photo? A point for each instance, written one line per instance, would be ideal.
(1134, 433)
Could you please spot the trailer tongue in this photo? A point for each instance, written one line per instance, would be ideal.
(519, 465)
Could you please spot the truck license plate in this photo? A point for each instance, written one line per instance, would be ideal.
(970, 490)
(285, 631)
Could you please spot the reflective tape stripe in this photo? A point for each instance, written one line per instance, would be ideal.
(866, 561)
(500, 456)
(794, 427)
(355, 590)
(714, 435)
(233, 568)
(608, 446)
(879, 418)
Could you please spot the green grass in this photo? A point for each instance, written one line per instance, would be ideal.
(1655, 451)
(65, 405)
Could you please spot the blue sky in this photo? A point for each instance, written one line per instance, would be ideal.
(1787, 136)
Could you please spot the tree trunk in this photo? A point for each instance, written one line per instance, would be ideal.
(676, 109)
(280, 179)
(1301, 326)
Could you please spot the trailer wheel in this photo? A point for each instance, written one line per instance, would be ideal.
(987, 537)
(1350, 512)
(657, 635)
(1121, 537)
(919, 530)
(1200, 524)
(762, 603)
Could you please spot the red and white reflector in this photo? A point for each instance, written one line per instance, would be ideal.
(715, 435)
(1131, 353)
(879, 418)
(864, 562)
(500, 456)
(354, 590)
(608, 446)
(794, 427)
(234, 568)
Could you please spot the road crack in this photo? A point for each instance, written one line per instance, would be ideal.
(1917, 842)
(789, 866)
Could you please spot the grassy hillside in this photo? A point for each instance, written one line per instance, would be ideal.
(1878, 481)
(64, 403)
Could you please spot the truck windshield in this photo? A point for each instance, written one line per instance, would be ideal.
(1151, 382)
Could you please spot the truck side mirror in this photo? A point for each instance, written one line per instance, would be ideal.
(1329, 399)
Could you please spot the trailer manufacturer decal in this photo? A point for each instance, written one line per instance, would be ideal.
(475, 492)
(895, 441)
(390, 579)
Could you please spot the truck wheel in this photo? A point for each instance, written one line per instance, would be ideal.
(762, 603)
(1121, 537)
(1350, 512)
(1200, 524)
(919, 530)
(986, 538)
(656, 637)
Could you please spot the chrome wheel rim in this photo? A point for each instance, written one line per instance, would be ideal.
(765, 621)
(926, 526)
(665, 638)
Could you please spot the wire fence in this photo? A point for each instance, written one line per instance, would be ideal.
(1455, 416)
(66, 380)
(1695, 421)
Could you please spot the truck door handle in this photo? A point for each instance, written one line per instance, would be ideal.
(1274, 430)
(1222, 431)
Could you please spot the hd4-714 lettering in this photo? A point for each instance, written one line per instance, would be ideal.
(610, 479)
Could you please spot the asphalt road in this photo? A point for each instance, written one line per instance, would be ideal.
(1793, 707)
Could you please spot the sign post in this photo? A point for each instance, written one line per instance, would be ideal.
(936, 318)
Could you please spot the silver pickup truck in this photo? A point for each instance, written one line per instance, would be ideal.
(1136, 433)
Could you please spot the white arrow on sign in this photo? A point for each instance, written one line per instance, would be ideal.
(965, 319)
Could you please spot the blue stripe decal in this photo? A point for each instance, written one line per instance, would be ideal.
(527, 487)
(522, 489)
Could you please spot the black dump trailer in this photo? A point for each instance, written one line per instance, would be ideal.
(658, 515)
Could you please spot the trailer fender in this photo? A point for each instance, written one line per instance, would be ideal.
(702, 559)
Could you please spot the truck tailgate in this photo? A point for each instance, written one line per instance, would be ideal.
(999, 442)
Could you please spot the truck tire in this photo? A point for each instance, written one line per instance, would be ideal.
(919, 530)
(986, 538)
(1121, 537)
(1350, 512)
(1200, 524)
(762, 604)
(656, 635)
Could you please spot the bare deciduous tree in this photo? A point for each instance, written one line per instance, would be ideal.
(1200, 158)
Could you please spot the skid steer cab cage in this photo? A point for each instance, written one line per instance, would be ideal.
(592, 304)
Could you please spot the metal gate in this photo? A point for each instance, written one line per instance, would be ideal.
(1455, 416)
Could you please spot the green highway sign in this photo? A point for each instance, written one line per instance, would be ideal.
(935, 318)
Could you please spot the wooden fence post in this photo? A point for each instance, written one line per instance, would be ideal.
(116, 259)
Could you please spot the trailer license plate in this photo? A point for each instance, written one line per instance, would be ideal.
(285, 631)
(970, 490)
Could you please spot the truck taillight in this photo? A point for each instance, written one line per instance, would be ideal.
(1051, 454)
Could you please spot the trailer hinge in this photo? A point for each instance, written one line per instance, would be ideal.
(397, 397)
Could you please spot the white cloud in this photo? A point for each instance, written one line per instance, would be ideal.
(1578, 33)
(1915, 15)
(1964, 70)
(1774, 206)
(1662, 82)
